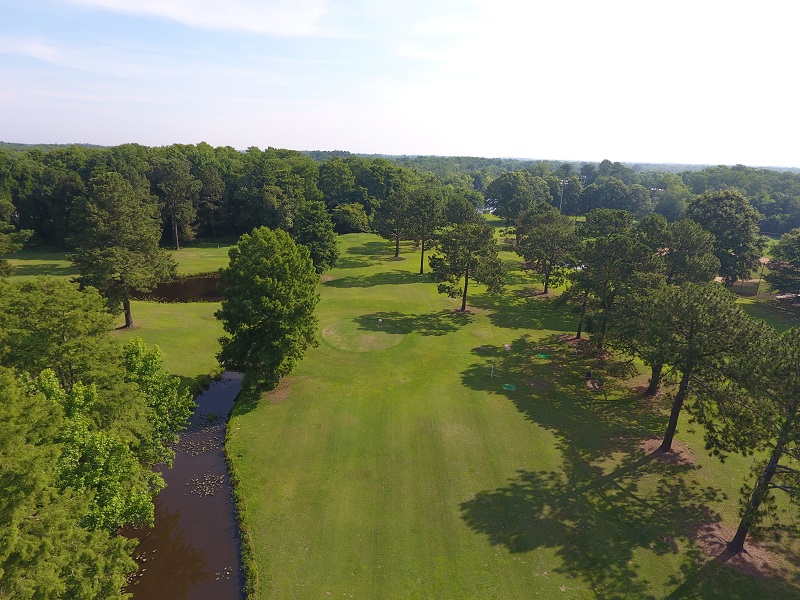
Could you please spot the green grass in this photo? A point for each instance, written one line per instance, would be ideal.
(202, 257)
(186, 333)
(32, 263)
(393, 464)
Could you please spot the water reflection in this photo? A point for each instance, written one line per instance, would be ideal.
(192, 552)
(186, 289)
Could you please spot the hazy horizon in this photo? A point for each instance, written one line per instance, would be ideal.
(686, 83)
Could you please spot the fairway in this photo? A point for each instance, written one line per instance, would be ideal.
(394, 464)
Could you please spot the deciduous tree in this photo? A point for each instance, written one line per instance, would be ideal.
(467, 251)
(784, 266)
(313, 229)
(268, 306)
(734, 223)
(426, 215)
(548, 242)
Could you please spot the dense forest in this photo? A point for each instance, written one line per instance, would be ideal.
(221, 192)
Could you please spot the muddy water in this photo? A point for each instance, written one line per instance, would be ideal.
(186, 289)
(192, 552)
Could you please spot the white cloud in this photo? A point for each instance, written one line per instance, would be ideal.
(278, 17)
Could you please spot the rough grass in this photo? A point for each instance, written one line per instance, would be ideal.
(406, 470)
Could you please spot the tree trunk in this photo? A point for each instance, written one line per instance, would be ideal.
(583, 315)
(655, 378)
(466, 285)
(422, 258)
(762, 487)
(683, 388)
(547, 270)
(175, 233)
(126, 306)
(397, 244)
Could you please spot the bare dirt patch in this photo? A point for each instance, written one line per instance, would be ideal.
(281, 392)
(573, 342)
(325, 278)
(471, 310)
(756, 560)
(679, 455)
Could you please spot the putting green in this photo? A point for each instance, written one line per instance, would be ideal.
(350, 335)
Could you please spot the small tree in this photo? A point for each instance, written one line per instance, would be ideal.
(547, 242)
(468, 250)
(11, 240)
(425, 217)
(268, 306)
(393, 216)
(174, 183)
(313, 229)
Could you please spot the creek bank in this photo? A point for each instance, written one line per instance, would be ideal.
(192, 552)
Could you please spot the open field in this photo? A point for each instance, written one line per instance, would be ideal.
(423, 453)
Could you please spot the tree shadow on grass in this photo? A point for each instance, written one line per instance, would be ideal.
(611, 504)
(596, 529)
(246, 401)
(522, 311)
(611, 501)
(549, 377)
(21, 269)
(384, 278)
(375, 248)
(435, 324)
(352, 262)
(714, 580)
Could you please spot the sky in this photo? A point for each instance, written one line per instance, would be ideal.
(692, 82)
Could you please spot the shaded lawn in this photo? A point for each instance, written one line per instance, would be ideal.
(394, 464)
(203, 257)
(32, 263)
(779, 315)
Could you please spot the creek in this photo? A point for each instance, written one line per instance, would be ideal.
(201, 288)
(192, 552)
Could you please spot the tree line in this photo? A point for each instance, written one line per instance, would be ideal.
(644, 288)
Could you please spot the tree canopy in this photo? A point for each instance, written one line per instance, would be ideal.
(784, 266)
(268, 306)
(734, 223)
(467, 250)
(116, 242)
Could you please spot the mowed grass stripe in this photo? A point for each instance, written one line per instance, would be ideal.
(395, 466)
(386, 449)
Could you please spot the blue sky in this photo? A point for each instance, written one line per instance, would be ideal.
(700, 81)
